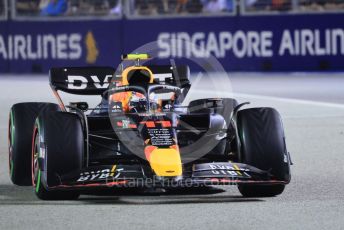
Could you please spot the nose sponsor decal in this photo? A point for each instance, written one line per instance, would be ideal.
(87, 176)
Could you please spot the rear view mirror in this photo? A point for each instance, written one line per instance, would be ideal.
(80, 105)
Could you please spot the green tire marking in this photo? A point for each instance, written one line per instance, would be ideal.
(11, 168)
(38, 181)
(39, 171)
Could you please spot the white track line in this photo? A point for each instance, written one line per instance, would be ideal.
(279, 99)
(320, 116)
(291, 100)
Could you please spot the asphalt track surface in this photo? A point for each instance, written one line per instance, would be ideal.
(312, 108)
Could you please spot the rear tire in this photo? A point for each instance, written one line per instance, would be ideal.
(263, 146)
(61, 136)
(21, 122)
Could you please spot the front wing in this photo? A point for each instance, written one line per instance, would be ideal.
(108, 176)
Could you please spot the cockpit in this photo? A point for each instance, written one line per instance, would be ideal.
(139, 90)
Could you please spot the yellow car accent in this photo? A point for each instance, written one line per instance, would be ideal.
(166, 162)
(135, 56)
(113, 170)
(237, 168)
(131, 68)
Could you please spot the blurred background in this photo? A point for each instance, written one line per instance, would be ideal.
(244, 35)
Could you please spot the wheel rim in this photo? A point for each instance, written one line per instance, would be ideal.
(35, 156)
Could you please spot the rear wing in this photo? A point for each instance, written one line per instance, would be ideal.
(96, 80)
(81, 80)
(171, 75)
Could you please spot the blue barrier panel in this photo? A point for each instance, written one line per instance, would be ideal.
(4, 64)
(38, 46)
(277, 43)
(281, 43)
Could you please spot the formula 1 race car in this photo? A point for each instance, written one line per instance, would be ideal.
(141, 135)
